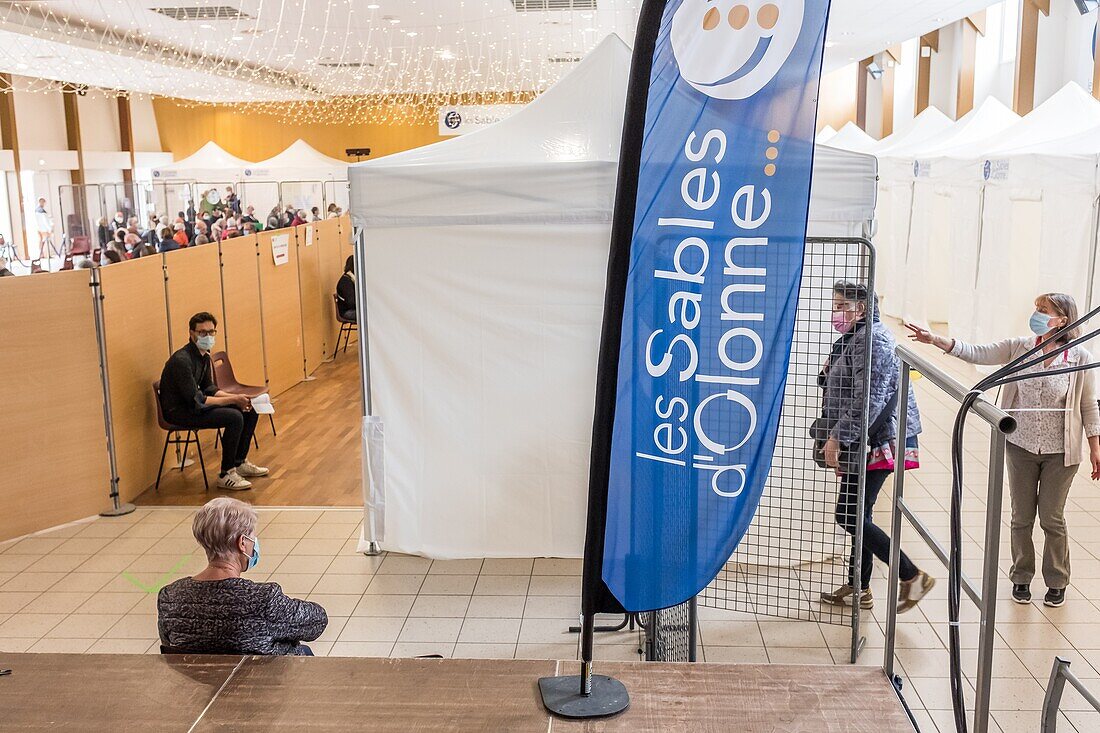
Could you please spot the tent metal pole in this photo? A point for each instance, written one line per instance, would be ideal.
(117, 508)
(1091, 284)
(370, 529)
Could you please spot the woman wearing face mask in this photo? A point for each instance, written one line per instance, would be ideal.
(1053, 413)
(840, 427)
(219, 612)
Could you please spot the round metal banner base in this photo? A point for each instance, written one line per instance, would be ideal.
(562, 696)
(122, 511)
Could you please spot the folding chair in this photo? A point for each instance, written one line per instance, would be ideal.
(227, 382)
(346, 327)
(171, 437)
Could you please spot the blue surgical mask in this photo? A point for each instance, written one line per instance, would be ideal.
(255, 556)
(1040, 323)
(206, 343)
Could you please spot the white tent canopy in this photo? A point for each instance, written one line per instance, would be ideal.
(1070, 111)
(487, 256)
(824, 135)
(209, 163)
(979, 125)
(928, 125)
(300, 161)
(851, 137)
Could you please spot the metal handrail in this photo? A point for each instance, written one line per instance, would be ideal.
(1060, 674)
(985, 598)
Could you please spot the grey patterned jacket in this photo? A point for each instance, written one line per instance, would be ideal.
(844, 376)
(236, 616)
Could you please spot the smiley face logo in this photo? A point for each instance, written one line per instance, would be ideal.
(731, 49)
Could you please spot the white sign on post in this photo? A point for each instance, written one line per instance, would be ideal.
(280, 249)
(309, 236)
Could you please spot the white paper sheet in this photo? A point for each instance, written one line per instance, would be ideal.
(262, 405)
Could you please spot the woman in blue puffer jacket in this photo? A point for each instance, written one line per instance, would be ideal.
(843, 381)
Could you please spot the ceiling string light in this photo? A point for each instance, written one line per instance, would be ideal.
(309, 61)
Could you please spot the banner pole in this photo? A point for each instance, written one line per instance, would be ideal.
(370, 527)
(117, 508)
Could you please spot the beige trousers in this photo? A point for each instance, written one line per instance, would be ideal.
(1039, 484)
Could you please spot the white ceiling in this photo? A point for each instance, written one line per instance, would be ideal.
(302, 48)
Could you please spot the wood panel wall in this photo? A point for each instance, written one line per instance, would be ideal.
(242, 333)
(137, 346)
(335, 248)
(257, 136)
(281, 305)
(55, 449)
(192, 280)
(313, 291)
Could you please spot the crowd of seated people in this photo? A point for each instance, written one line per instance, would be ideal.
(124, 238)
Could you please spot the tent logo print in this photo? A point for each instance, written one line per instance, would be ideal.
(987, 169)
(731, 49)
(452, 119)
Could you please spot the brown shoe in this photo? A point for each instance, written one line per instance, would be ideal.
(842, 596)
(910, 592)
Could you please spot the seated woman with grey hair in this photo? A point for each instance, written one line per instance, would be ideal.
(219, 612)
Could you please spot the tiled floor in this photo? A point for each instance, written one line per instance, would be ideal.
(90, 587)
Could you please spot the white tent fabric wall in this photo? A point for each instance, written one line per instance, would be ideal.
(485, 277)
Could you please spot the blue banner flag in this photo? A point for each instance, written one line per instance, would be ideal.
(718, 227)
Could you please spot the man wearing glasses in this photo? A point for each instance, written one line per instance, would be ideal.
(190, 399)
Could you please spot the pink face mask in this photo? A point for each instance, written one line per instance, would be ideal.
(840, 322)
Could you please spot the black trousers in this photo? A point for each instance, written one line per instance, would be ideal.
(876, 543)
(237, 430)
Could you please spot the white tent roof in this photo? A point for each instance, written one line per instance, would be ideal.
(827, 133)
(987, 121)
(555, 160)
(210, 157)
(1071, 111)
(851, 137)
(927, 126)
(301, 154)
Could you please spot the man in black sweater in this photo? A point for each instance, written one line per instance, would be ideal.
(190, 399)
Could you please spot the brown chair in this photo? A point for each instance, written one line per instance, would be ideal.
(346, 327)
(80, 245)
(36, 266)
(227, 381)
(171, 437)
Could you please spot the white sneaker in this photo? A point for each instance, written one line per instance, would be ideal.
(251, 470)
(232, 481)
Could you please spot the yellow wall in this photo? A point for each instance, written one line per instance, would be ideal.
(257, 136)
(837, 100)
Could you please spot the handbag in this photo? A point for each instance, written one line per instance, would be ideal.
(820, 429)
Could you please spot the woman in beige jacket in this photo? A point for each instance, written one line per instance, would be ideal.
(1054, 412)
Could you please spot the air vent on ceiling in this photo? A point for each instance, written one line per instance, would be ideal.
(202, 12)
(539, 6)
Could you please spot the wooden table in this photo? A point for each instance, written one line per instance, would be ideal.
(181, 693)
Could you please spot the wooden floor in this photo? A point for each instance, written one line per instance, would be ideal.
(111, 693)
(314, 459)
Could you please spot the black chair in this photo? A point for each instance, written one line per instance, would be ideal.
(172, 437)
(346, 327)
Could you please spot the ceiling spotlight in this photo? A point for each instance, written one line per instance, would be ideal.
(372, 6)
(874, 70)
(238, 38)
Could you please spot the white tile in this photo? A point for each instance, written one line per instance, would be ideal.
(731, 633)
(356, 564)
(61, 646)
(801, 634)
(799, 655)
(372, 629)
(28, 581)
(106, 563)
(554, 585)
(36, 546)
(319, 547)
(446, 585)
(82, 545)
(83, 626)
(56, 563)
(14, 602)
(394, 606)
(408, 650)
(502, 585)
(490, 631)
(546, 651)
(395, 585)
(134, 626)
(298, 584)
(555, 566)
(345, 584)
(496, 607)
(82, 582)
(361, 649)
(404, 565)
(735, 654)
(427, 606)
(545, 631)
(335, 627)
(455, 567)
(120, 603)
(553, 607)
(121, 646)
(16, 646)
(336, 605)
(30, 625)
(304, 564)
(484, 651)
(436, 630)
(57, 603)
(507, 566)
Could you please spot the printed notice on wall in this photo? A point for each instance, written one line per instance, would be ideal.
(309, 236)
(280, 249)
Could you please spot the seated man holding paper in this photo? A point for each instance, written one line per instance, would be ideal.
(190, 399)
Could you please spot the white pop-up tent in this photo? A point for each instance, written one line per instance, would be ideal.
(851, 137)
(209, 163)
(918, 268)
(825, 134)
(484, 287)
(297, 175)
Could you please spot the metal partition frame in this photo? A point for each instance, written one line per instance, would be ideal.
(1060, 674)
(985, 598)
